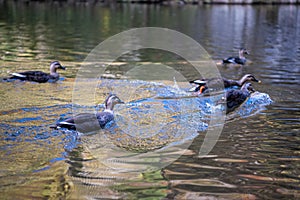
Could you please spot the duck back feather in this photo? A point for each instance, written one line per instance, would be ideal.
(234, 60)
(35, 76)
(86, 122)
(235, 97)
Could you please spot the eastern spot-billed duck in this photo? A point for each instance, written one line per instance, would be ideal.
(235, 97)
(39, 76)
(237, 60)
(201, 85)
(87, 122)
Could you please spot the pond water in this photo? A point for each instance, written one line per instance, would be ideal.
(256, 156)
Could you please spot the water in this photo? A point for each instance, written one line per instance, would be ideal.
(257, 154)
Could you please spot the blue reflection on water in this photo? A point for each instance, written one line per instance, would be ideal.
(192, 113)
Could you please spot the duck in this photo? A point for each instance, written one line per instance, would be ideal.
(241, 60)
(201, 85)
(235, 97)
(39, 76)
(87, 122)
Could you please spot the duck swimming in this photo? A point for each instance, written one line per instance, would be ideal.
(39, 76)
(235, 97)
(87, 122)
(201, 85)
(237, 60)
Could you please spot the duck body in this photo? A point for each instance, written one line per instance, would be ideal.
(34, 76)
(39, 76)
(87, 122)
(235, 97)
(215, 82)
(234, 60)
(241, 60)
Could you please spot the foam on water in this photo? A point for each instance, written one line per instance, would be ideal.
(169, 112)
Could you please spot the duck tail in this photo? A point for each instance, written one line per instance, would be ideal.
(225, 61)
(54, 127)
(18, 75)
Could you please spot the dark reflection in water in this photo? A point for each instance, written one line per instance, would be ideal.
(256, 157)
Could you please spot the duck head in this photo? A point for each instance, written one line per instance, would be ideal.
(111, 101)
(244, 51)
(248, 77)
(248, 87)
(54, 66)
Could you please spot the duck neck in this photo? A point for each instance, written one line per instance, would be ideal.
(109, 106)
(241, 55)
(242, 81)
(53, 70)
(108, 110)
(244, 88)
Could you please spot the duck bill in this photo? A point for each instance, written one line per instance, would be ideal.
(201, 90)
(256, 80)
(251, 89)
(119, 101)
(62, 67)
(245, 51)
